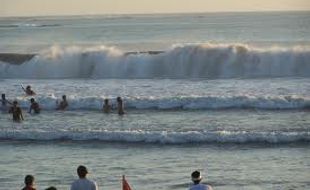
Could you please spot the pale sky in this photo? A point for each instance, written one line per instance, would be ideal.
(78, 7)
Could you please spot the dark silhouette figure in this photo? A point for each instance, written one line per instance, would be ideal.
(120, 106)
(16, 112)
(106, 106)
(63, 104)
(34, 106)
(4, 103)
(3, 100)
(29, 91)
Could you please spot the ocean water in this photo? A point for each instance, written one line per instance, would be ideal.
(224, 93)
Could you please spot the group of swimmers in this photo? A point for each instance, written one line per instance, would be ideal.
(83, 183)
(17, 114)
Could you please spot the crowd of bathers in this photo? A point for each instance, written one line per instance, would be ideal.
(34, 107)
(83, 183)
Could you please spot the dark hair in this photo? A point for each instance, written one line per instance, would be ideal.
(15, 102)
(119, 99)
(32, 100)
(196, 177)
(82, 171)
(106, 100)
(51, 188)
(28, 86)
(3, 96)
(29, 179)
(64, 96)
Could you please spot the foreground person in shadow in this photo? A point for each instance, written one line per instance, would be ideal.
(16, 111)
(120, 106)
(83, 183)
(29, 183)
(63, 104)
(196, 178)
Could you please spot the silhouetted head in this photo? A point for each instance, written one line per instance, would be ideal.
(196, 176)
(15, 102)
(64, 97)
(29, 180)
(3, 96)
(82, 171)
(119, 99)
(32, 100)
(28, 87)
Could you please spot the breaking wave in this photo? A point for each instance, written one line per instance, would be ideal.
(163, 137)
(26, 25)
(183, 61)
(184, 102)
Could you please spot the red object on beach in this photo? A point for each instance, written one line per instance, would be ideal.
(125, 184)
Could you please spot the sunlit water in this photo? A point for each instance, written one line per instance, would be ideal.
(257, 143)
(229, 97)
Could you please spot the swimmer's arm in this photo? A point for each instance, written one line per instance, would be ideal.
(23, 88)
(7, 102)
(21, 115)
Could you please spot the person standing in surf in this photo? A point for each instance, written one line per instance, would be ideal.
(106, 106)
(83, 183)
(120, 106)
(16, 112)
(63, 104)
(4, 103)
(34, 106)
(196, 178)
(29, 91)
(3, 100)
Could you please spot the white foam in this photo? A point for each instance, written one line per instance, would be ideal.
(188, 61)
(164, 137)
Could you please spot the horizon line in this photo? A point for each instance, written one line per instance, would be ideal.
(155, 13)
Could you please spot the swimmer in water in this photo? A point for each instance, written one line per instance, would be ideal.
(34, 106)
(63, 104)
(16, 112)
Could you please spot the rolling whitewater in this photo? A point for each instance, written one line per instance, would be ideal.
(225, 93)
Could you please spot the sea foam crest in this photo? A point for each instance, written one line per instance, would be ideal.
(183, 102)
(185, 61)
(163, 137)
